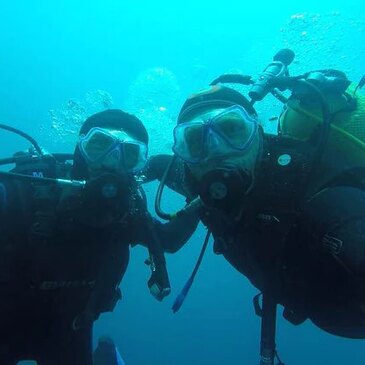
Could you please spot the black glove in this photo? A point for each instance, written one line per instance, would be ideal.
(159, 283)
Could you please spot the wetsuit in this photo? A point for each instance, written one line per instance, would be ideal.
(307, 251)
(63, 254)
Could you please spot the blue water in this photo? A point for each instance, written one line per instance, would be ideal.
(61, 61)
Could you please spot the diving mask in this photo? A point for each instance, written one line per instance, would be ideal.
(231, 130)
(113, 149)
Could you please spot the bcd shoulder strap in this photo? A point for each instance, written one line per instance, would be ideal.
(284, 172)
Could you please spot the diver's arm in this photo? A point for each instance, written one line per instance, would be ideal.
(156, 166)
(171, 236)
(174, 234)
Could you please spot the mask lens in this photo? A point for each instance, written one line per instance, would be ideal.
(236, 127)
(135, 156)
(96, 144)
(131, 155)
(229, 131)
(113, 149)
(188, 139)
(194, 137)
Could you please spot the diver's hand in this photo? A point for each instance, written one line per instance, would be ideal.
(159, 284)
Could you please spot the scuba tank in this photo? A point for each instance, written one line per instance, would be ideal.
(345, 146)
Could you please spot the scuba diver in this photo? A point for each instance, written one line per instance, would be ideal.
(286, 210)
(65, 231)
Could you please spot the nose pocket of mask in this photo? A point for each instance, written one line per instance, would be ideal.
(213, 141)
(113, 159)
